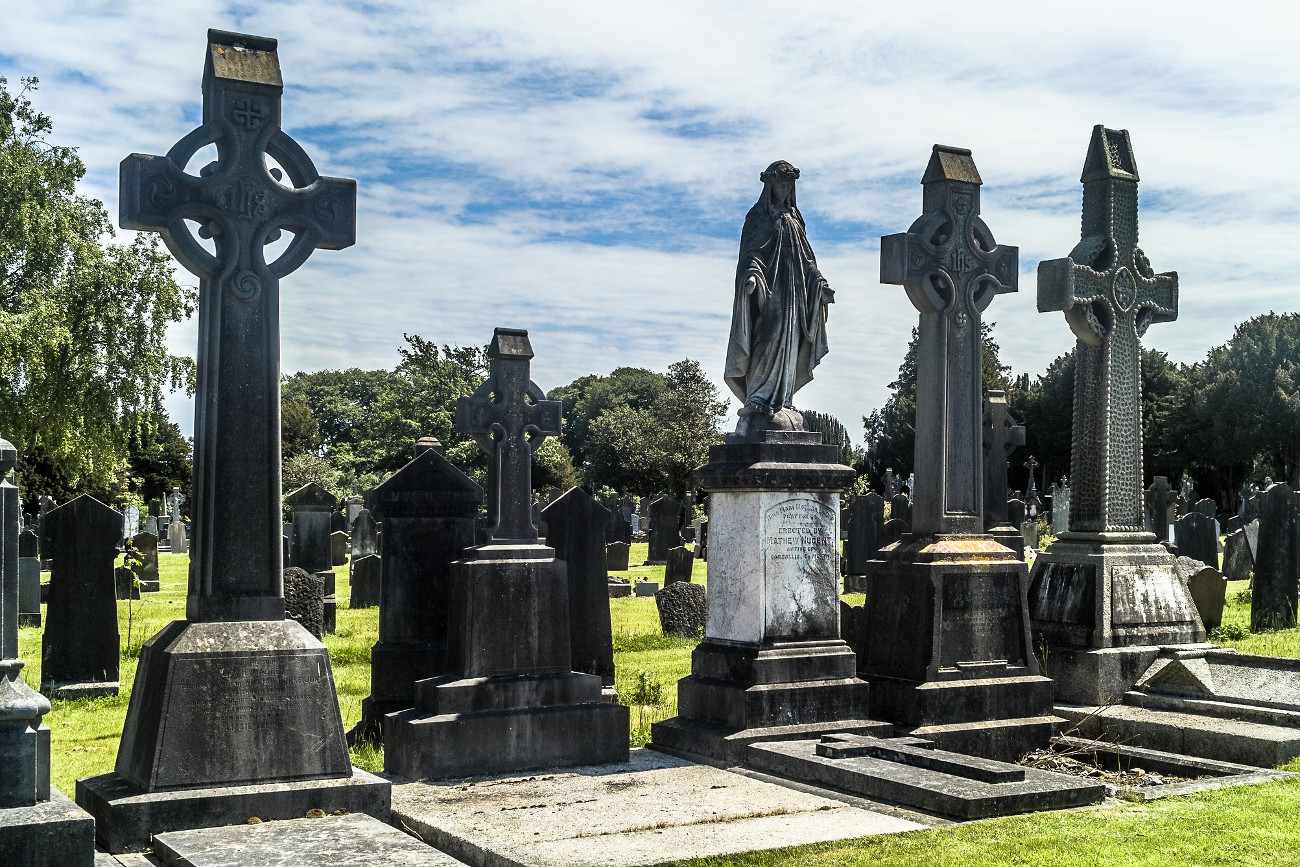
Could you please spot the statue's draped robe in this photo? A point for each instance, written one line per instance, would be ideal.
(778, 331)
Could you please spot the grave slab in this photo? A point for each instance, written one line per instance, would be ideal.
(652, 809)
(332, 841)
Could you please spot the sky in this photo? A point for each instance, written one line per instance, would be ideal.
(583, 170)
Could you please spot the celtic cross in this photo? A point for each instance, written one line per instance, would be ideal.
(241, 205)
(951, 268)
(509, 417)
(1002, 435)
(1110, 296)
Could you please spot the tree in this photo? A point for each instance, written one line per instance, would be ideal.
(83, 323)
(833, 433)
(587, 397)
(158, 458)
(299, 430)
(305, 468)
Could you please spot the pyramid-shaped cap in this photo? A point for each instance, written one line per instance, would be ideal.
(311, 495)
(510, 343)
(8, 457)
(242, 57)
(1110, 155)
(430, 478)
(86, 510)
(951, 164)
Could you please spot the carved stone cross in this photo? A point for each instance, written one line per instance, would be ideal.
(1032, 499)
(509, 417)
(241, 205)
(1110, 296)
(1002, 435)
(951, 268)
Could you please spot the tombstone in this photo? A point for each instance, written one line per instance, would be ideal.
(576, 523)
(900, 507)
(1002, 435)
(619, 587)
(522, 692)
(1061, 510)
(304, 599)
(1250, 509)
(180, 538)
(866, 523)
(124, 583)
(893, 531)
(683, 608)
(1156, 503)
(29, 591)
(1231, 525)
(1251, 534)
(616, 559)
(619, 530)
(1277, 561)
(889, 482)
(339, 548)
(1209, 590)
(338, 523)
(38, 825)
(915, 632)
(311, 547)
(1238, 564)
(364, 582)
(1033, 502)
(1206, 507)
(234, 696)
(645, 588)
(47, 504)
(79, 648)
(1195, 537)
(1092, 594)
(353, 506)
(146, 546)
(702, 546)
(430, 511)
(681, 561)
(664, 532)
(364, 540)
(131, 521)
(1016, 512)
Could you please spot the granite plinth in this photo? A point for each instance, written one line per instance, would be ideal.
(332, 841)
(127, 817)
(909, 771)
(53, 833)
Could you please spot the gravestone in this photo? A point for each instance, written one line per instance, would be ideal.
(311, 548)
(124, 583)
(365, 536)
(866, 524)
(180, 538)
(893, 531)
(1016, 512)
(79, 648)
(1277, 562)
(683, 609)
(1237, 561)
(1002, 435)
(365, 581)
(702, 546)
(1106, 594)
(39, 827)
(680, 563)
(1250, 509)
(1251, 533)
(1061, 510)
(338, 523)
(1232, 525)
(577, 523)
(304, 599)
(1208, 587)
(917, 635)
(619, 587)
(339, 548)
(664, 529)
(900, 508)
(1029, 532)
(146, 546)
(1206, 507)
(1033, 501)
(890, 483)
(429, 509)
(1157, 502)
(46, 505)
(619, 530)
(521, 692)
(1194, 535)
(29, 591)
(645, 588)
(616, 557)
(235, 696)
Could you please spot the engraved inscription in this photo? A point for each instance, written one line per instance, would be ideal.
(801, 569)
(981, 619)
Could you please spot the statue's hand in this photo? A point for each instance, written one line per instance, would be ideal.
(827, 292)
(751, 284)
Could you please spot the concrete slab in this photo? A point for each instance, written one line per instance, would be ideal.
(653, 809)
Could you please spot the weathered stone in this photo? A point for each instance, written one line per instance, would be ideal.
(1208, 587)
(146, 547)
(646, 588)
(365, 582)
(1061, 510)
(1195, 537)
(29, 591)
(1002, 435)
(364, 540)
(664, 529)
(1029, 532)
(1238, 565)
(683, 609)
(53, 832)
(576, 524)
(1016, 512)
(304, 599)
(681, 562)
(338, 548)
(180, 538)
(1277, 562)
(616, 557)
(900, 509)
(312, 506)
(866, 530)
(124, 583)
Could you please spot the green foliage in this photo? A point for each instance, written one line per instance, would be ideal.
(306, 468)
(158, 457)
(299, 430)
(1229, 632)
(83, 323)
(553, 467)
(833, 433)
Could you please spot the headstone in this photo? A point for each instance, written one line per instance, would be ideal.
(645, 588)
(1250, 509)
(365, 537)
(339, 548)
(146, 547)
(893, 531)
(47, 504)
(1195, 537)
(576, 523)
(683, 608)
(1029, 532)
(1157, 502)
(338, 522)
(1208, 587)
(1061, 510)
(952, 269)
(233, 696)
(1237, 561)
(124, 583)
(664, 532)
(304, 599)
(900, 507)
(38, 825)
(1016, 512)
(616, 557)
(1277, 562)
(1102, 595)
(311, 547)
(1002, 435)
(619, 588)
(365, 582)
(890, 483)
(619, 529)
(79, 648)
(1232, 525)
(1033, 501)
(702, 546)
(29, 591)
(1251, 533)
(180, 538)
(352, 508)
(866, 524)
(507, 705)
(1206, 507)
(680, 563)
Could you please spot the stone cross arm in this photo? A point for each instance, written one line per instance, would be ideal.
(1091, 299)
(928, 264)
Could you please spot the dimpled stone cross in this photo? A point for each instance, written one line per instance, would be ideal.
(509, 417)
(1110, 296)
(242, 206)
(951, 268)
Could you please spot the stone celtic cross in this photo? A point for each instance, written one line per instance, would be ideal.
(241, 205)
(509, 417)
(1110, 296)
(951, 268)
(1002, 435)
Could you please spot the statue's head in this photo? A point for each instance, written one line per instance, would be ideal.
(778, 183)
(779, 170)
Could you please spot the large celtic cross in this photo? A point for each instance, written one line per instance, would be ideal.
(509, 417)
(1002, 435)
(242, 205)
(1110, 296)
(951, 268)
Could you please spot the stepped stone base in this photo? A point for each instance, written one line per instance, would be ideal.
(53, 833)
(725, 747)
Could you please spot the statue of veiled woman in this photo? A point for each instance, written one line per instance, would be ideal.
(778, 319)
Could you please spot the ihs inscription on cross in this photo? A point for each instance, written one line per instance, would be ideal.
(509, 417)
(951, 268)
(242, 206)
(1110, 296)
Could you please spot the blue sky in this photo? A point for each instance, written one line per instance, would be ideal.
(583, 169)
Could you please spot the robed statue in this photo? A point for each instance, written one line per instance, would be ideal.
(778, 318)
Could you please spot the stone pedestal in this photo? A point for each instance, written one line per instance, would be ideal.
(772, 664)
(947, 649)
(50, 833)
(506, 705)
(1101, 605)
